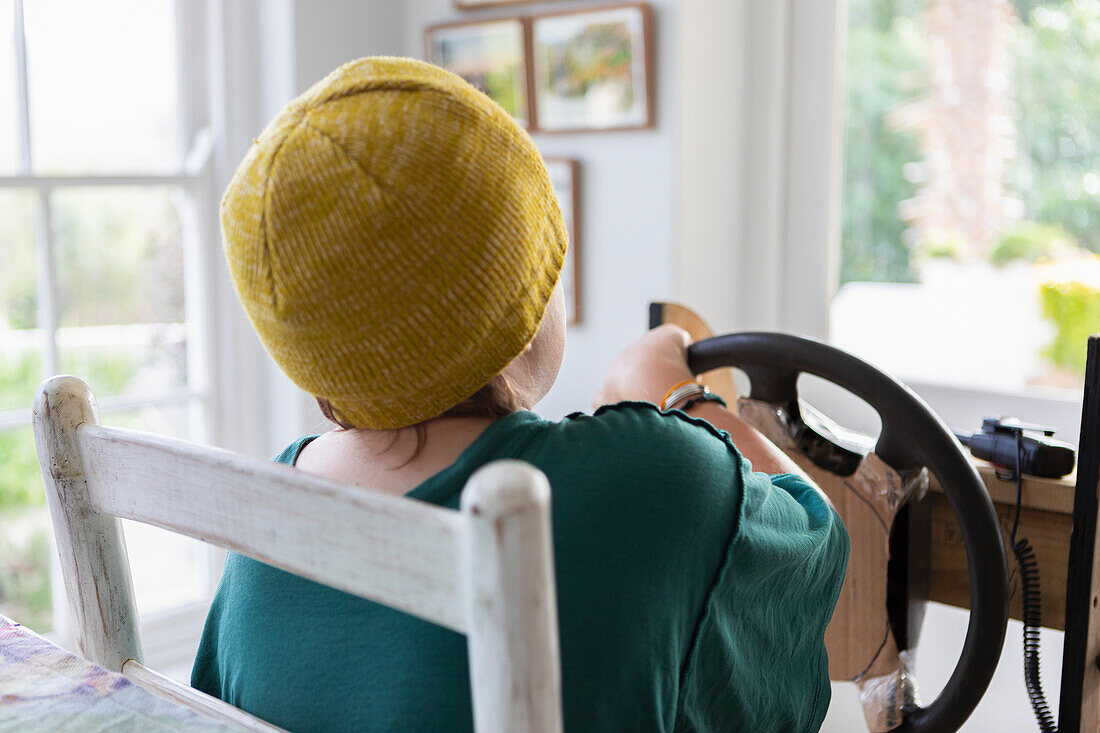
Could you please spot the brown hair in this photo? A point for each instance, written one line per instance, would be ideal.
(495, 400)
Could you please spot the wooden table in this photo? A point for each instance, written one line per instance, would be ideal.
(45, 688)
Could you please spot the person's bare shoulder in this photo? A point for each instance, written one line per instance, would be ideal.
(388, 460)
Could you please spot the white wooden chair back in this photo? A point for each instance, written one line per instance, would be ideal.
(485, 571)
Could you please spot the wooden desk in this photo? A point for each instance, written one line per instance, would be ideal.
(1046, 520)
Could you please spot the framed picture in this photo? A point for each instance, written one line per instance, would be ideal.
(565, 176)
(591, 69)
(488, 54)
(478, 4)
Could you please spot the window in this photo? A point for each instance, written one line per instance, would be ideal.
(102, 173)
(969, 259)
(763, 166)
(969, 251)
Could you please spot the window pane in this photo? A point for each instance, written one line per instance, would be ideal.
(972, 191)
(25, 546)
(120, 269)
(20, 341)
(168, 569)
(102, 85)
(9, 137)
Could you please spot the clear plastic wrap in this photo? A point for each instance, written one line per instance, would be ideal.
(861, 645)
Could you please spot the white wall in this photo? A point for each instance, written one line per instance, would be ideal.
(332, 32)
(299, 43)
(627, 207)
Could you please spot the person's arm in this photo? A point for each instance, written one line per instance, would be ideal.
(762, 453)
(759, 662)
(650, 366)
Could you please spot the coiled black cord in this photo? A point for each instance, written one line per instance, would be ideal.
(1032, 607)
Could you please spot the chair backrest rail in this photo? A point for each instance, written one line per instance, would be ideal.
(486, 570)
(338, 535)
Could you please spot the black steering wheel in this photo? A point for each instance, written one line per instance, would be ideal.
(912, 436)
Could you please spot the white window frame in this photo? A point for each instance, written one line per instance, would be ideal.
(760, 149)
(227, 371)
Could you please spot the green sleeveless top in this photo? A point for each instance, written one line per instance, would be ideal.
(693, 595)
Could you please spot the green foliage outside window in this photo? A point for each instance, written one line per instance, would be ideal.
(1075, 308)
(1056, 171)
(1055, 52)
(18, 275)
(1031, 241)
(24, 542)
(1070, 297)
(887, 63)
(119, 262)
(119, 255)
(20, 484)
(25, 581)
(1056, 55)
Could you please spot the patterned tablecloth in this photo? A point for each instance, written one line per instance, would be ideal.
(45, 688)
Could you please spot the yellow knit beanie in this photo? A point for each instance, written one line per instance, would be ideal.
(394, 238)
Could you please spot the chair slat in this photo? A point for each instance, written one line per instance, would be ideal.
(343, 536)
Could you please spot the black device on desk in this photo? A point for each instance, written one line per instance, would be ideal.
(1005, 442)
